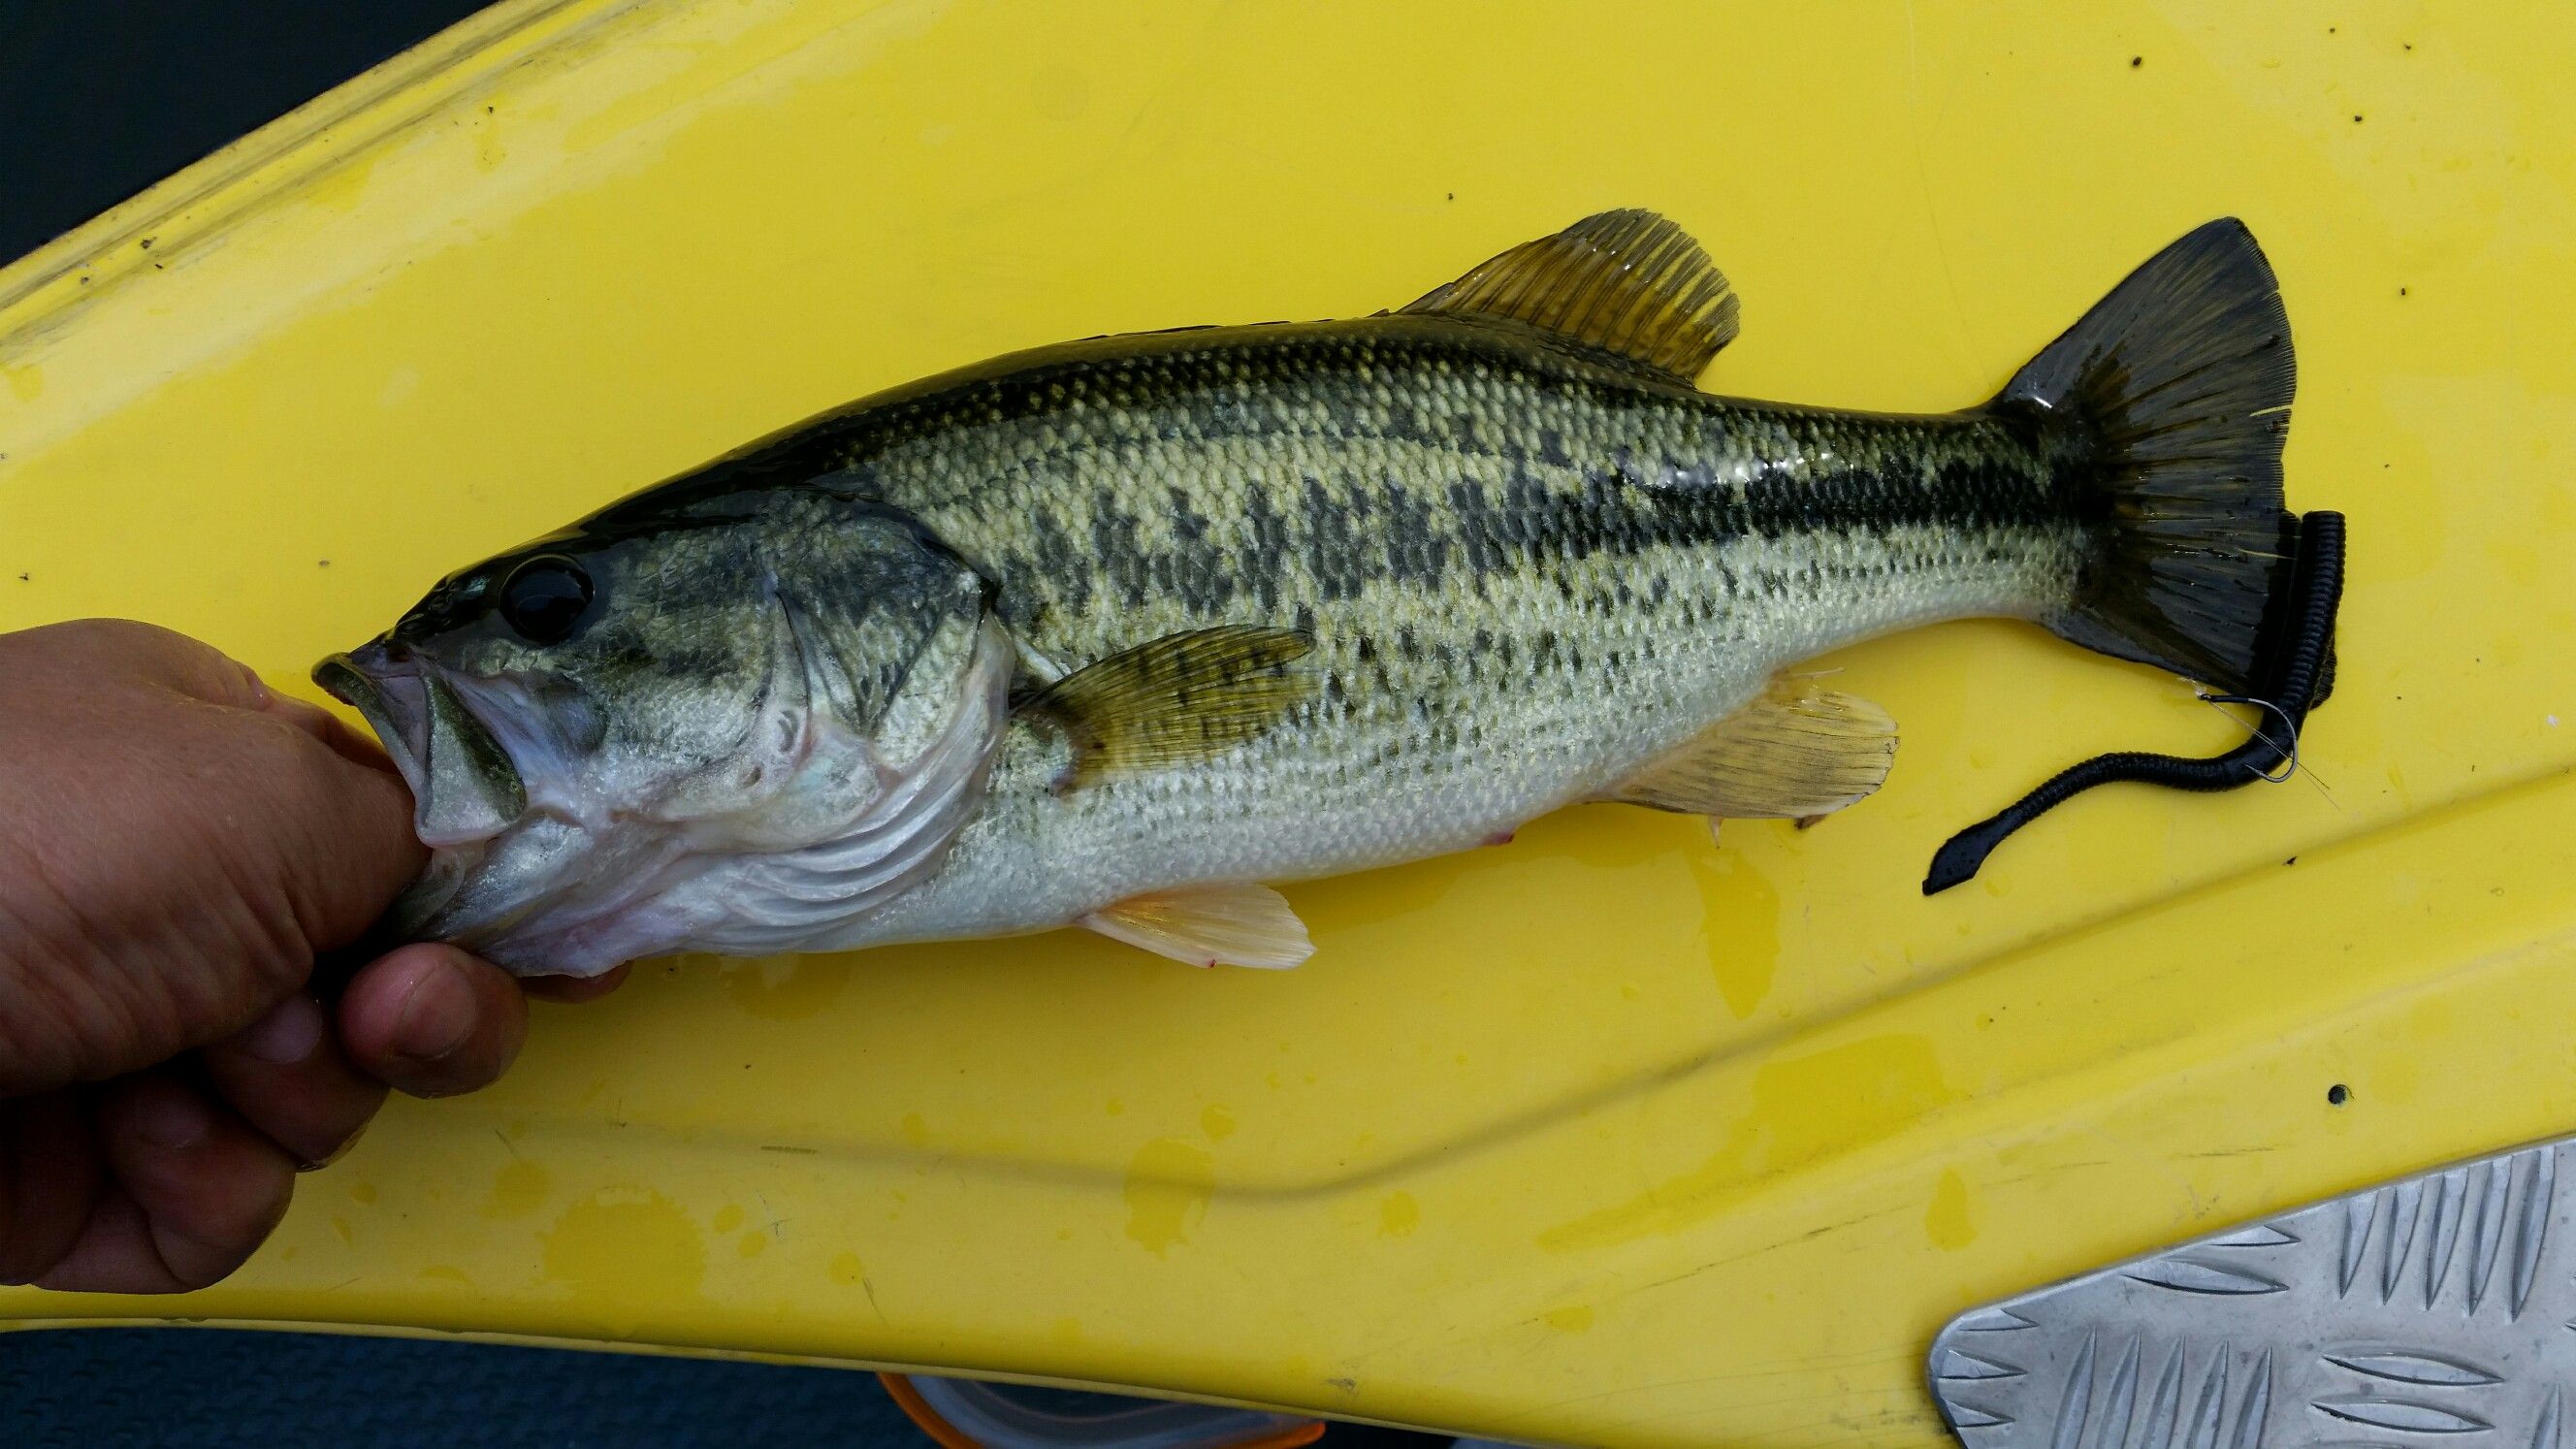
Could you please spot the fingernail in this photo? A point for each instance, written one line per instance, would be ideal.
(171, 1116)
(288, 1034)
(436, 1017)
(334, 1155)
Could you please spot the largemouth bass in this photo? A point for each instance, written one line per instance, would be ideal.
(1119, 633)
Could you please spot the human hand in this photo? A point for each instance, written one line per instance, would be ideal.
(178, 846)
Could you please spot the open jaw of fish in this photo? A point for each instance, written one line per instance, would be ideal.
(545, 862)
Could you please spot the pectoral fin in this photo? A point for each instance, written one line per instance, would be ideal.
(1209, 925)
(1798, 751)
(1177, 700)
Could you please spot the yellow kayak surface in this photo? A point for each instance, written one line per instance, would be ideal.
(1609, 1136)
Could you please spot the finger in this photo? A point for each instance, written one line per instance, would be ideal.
(287, 1076)
(341, 831)
(196, 1190)
(190, 666)
(327, 727)
(574, 988)
(433, 1021)
(148, 651)
(50, 1180)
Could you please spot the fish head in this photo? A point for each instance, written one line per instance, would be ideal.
(606, 730)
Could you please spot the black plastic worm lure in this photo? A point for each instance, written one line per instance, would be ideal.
(2298, 673)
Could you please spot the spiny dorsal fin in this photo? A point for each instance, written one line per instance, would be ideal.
(1176, 700)
(1799, 750)
(1626, 282)
(1210, 925)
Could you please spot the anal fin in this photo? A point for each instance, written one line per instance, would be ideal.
(1230, 924)
(1800, 750)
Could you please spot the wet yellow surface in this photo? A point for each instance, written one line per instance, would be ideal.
(1611, 1135)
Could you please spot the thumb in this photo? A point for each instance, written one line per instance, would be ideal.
(206, 673)
(344, 829)
(324, 726)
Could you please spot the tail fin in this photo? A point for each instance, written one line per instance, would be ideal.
(2181, 381)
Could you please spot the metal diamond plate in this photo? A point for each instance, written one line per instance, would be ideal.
(2439, 1309)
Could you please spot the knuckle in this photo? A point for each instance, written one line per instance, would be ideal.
(213, 1249)
(276, 737)
(289, 757)
(131, 638)
(328, 1150)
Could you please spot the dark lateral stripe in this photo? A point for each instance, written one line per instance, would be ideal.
(1527, 521)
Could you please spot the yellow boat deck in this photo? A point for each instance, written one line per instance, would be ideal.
(1606, 1137)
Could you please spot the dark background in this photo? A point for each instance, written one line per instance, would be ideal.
(187, 1388)
(98, 101)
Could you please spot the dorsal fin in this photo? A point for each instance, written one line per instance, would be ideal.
(1629, 283)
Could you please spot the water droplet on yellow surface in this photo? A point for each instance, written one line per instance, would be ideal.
(785, 988)
(1577, 1319)
(753, 1244)
(1740, 925)
(341, 187)
(727, 1218)
(626, 1243)
(362, 1193)
(1217, 1122)
(1947, 1222)
(518, 1189)
(1168, 1186)
(1398, 1216)
(847, 1270)
(914, 1132)
(1802, 1108)
(1061, 93)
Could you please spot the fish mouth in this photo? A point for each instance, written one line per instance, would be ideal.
(394, 703)
(465, 787)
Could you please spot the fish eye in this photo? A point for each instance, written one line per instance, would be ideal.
(544, 598)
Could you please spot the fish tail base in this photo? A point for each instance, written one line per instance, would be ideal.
(2174, 396)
